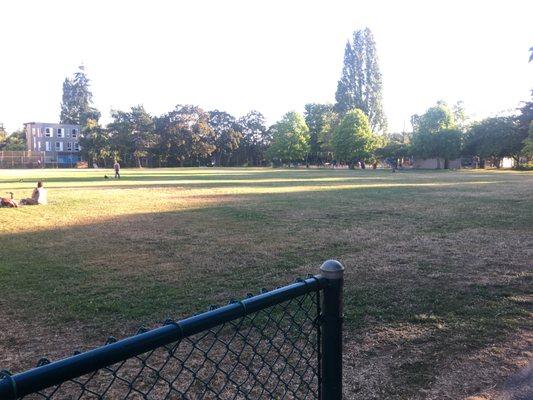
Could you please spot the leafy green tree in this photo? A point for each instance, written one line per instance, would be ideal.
(14, 142)
(394, 147)
(132, 133)
(226, 134)
(95, 144)
(290, 139)
(184, 135)
(434, 119)
(361, 82)
(459, 115)
(255, 139)
(435, 134)
(528, 143)
(495, 138)
(3, 135)
(77, 100)
(353, 139)
(319, 118)
(525, 116)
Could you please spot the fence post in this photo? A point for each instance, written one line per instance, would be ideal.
(332, 318)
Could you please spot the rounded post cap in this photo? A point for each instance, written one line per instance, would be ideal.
(332, 269)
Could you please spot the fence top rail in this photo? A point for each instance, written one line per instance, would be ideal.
(54, 373)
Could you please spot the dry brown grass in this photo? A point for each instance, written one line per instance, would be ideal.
(438, 283)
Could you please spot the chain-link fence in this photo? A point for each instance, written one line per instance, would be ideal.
(21, 159)
(267, 346)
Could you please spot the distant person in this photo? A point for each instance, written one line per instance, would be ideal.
(38, 196)
(117, 169)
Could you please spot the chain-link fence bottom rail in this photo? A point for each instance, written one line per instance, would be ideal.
(270, 354)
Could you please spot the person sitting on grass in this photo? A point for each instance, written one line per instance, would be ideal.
(38, 196)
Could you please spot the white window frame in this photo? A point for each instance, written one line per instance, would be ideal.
(47, 146)
(60, 132)
(39, 146)
(48, 132)
(76, 146)
(69, 146)
(33, 132)
(74, 132)
(59, 146)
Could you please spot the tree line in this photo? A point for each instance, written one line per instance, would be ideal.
(352, 131)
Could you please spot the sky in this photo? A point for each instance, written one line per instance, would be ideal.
(272, 56)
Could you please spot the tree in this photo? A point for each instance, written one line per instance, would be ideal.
(3, 135)
(319, 119)
(459, 115)
(14, 142)
(353, 139)
(395, 146)
(226, 134)
(434, 119)
(495, 138)
(373, 84)
(361, 83)
(435, 134)
(290, 139)
(95, 144)
(132, 133)
(525, 116)
(184, 135)
(255, 139)
(76, 105)
(345, 95)
(528, 142)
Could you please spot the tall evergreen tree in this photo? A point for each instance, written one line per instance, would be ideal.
(345, 94)
(361, 83)
(373, 84)
(77, 100)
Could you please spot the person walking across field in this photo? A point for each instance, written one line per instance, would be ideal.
(117, 169)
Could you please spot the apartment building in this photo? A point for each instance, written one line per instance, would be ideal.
(58, 142)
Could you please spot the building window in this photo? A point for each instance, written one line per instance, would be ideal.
(69, 146)
(34, 145)
(74, 132)
(47, 146)
(60, 132)
(67, 133)
(59, 146)
(33, 131)
(76, 146)
(39, 146)
(48, 132)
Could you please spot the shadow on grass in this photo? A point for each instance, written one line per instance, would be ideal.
(139, 269)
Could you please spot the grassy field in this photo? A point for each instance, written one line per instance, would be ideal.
(439, 264)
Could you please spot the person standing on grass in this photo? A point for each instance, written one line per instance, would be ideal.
(117, 169)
